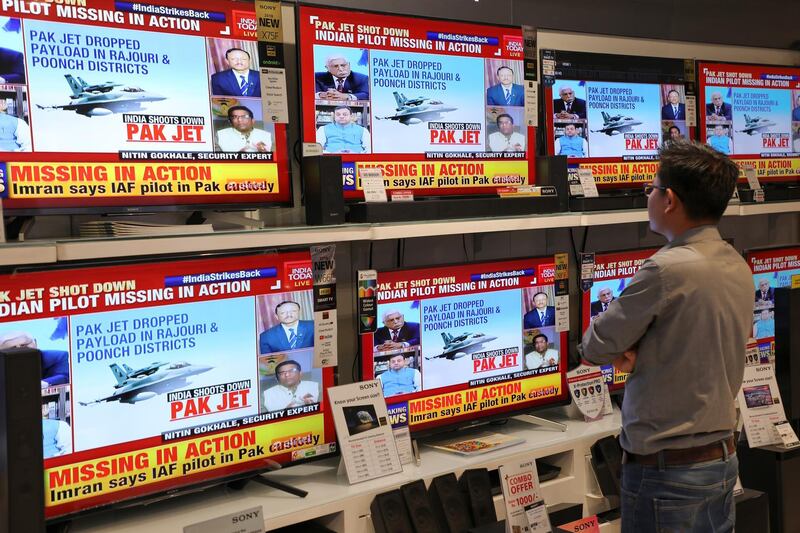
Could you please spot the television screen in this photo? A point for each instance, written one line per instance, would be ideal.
(752, 112)
(162, 375)
(437, 105)
(612, 113)
(461, 343)
(131, 107)
(612, 273)
(772, 268)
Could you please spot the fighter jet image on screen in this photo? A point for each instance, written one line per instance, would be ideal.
(458, 347)
(103, 99)
(142, 384)
(753, 125)
(416, 110)
(616, 124)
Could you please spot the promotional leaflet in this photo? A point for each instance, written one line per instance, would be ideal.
(760, 402)
(438, 106)
(365, 435)
(588, 391)
(522, 496)
(463, 342)
(162, 105)
(612, 272)
(166, 374)
(752, 113)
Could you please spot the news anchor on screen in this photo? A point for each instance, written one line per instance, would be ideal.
(717, 109)
(339, 82)
(291, 334)
(506, 92)
(396, 333)
(673, 109)
(796, 110)
(567, 107)
(541, 315)
(239, 79)
(571, 144)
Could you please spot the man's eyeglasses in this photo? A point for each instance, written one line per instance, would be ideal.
(649, 188)
(287, 372)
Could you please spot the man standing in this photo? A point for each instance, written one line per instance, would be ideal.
(680, 328)
(343, 136)
(673, 109)
(571, 144)
(567, 107)
(243, 137)
(396, 333)
(541, 356)
(541, 315)
(291, 390)
(506, 140)
(506, 92)
(239, 79)
(291, 334)
(339, 82)
(400, 378)
(604, 298)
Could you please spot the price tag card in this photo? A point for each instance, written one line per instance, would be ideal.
(587, 271)
(366, 439)
(402, 196)
(586, 386)
(532, 103)
(752, 178)
(788, 436)
(538, 520)
(521, 490)
(373, 185)
(588, 185)
(691, 111)
(325, 324)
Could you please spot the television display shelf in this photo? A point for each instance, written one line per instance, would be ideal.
(28, 253)
(345, 508)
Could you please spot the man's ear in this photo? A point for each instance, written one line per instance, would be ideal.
(673, 202)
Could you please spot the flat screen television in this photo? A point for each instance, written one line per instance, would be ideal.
(163, 375)
(126, 107)
(612, 113)
(772, 268)
(461, 344)
(424, 100)
(612, 273)
(752, 112)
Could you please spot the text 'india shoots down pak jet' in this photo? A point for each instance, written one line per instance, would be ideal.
(458, 347)
(103, 99)
(753, 125)
(142, 384)
(416, 110)
(616, 124)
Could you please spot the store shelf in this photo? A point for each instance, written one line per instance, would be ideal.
(17, 254)
(769, 208)
(332, 499)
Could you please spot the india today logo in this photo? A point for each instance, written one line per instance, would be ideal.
(546, 273)
(244, 24)
(298, 275)
(512, 46)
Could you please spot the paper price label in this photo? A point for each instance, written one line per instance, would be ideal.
(588, 185)
(788, 436)
(752, 178)
(691, 111)
(373, 185)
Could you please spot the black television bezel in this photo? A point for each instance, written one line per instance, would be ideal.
(164, 495)
(490, 418)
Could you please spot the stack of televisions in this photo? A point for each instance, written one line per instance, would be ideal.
(423, 105)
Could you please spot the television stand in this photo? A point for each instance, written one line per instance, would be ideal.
(539, 421)
(262, 479)
(629, 199)
(224, 217)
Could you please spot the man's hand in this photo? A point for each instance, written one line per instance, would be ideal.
(626, 362)
(308, 399)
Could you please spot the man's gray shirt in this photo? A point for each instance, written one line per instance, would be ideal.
(689, 309)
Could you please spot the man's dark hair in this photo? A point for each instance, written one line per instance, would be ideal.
(284, 303)
(338, 107)
(538, 293)
(229, 50)
(288, 362)
(506, 115)
(673, 91)
(233, 108)
(542, 335)
(504, 66)
(674, 128)
(700, 176)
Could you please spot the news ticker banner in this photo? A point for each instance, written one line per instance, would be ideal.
(124, 79)
(96, 481)
(751, 110)
(440, 175)
(426, 90)
(611, 274)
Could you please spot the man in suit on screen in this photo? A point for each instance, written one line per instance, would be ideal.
(239, 79)
(506, 92)
(339, 82)
(541, 315)
(673, 109)
(604, 298)
(396, 333)
(717, 110)
(567, 107)
(290, 334)
(765, 295)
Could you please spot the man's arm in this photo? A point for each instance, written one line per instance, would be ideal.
(366, 140)
(361, 86)
(417, 381)
(63, 438)
(23, 134)
(321, 137)
(627, 318)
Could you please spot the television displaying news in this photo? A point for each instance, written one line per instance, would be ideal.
(612, 273)
(612, 113)
(118, 106)
(752, 113)
(772, 268)
(437, 106)
(457, 344)
(162, 375)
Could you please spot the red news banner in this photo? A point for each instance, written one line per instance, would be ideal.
(438, 106)
(159, 379)
(143, 92)
(467, 333)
